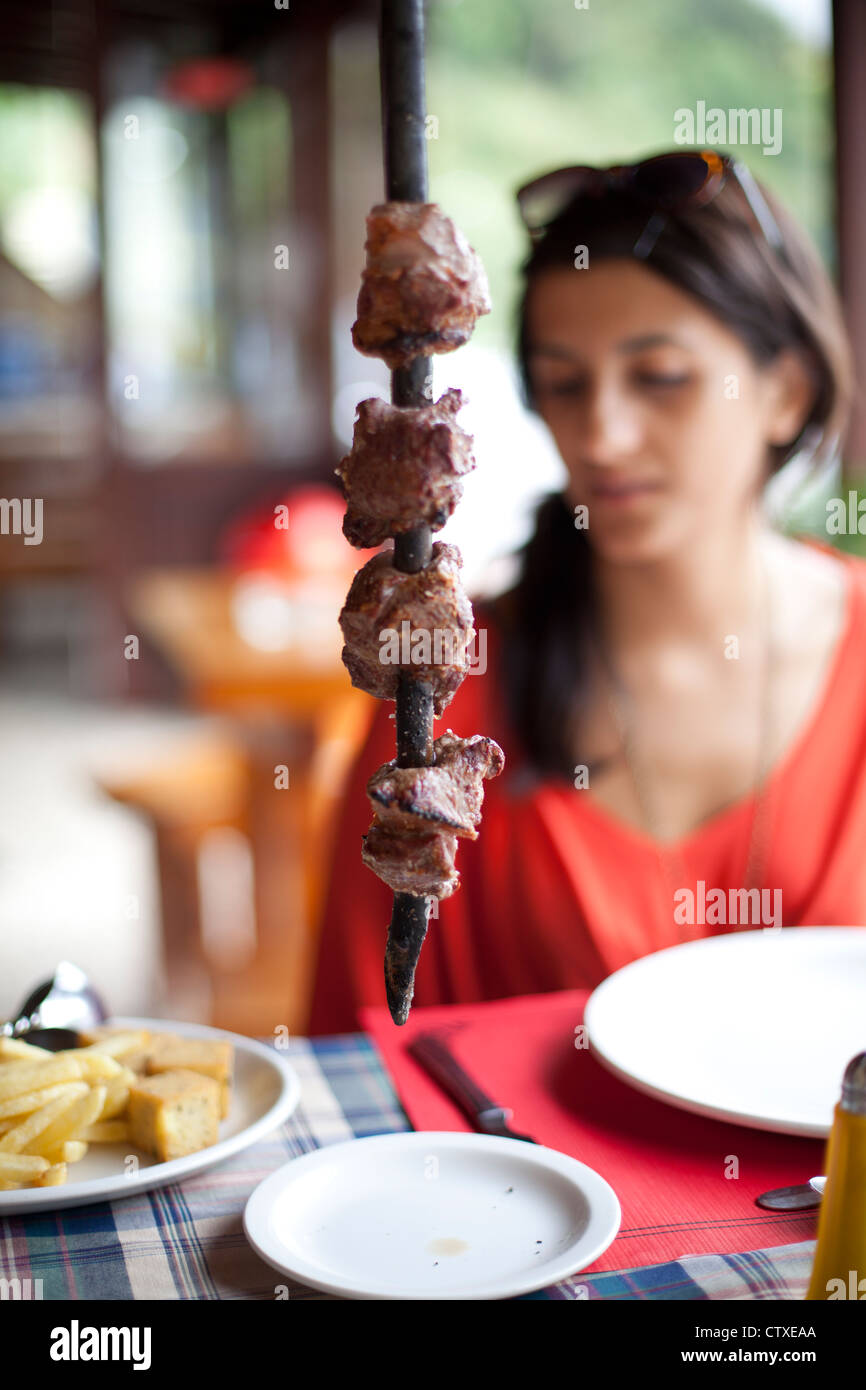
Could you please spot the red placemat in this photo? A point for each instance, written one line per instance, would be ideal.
(669, 1168)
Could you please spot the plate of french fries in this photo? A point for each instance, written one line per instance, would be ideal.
(141, 1103)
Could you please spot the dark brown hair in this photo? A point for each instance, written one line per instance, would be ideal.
(772, 299)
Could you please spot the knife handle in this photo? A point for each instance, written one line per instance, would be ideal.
(436, 1058)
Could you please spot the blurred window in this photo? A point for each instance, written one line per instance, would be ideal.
(202, 321)
(49, 265)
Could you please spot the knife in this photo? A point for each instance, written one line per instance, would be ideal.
(438, 1061)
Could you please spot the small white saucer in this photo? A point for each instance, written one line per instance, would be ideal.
(432, 1215)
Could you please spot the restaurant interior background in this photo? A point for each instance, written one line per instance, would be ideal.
(183, 186)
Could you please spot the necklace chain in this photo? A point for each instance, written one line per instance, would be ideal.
(619, 704)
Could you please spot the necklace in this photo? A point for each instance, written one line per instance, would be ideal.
(620, 705)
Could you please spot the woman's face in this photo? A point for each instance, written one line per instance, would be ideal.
(661, 416)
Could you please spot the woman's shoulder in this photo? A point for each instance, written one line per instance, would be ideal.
(820, 635)
(829, 556)
(855, 565)
(832, 581)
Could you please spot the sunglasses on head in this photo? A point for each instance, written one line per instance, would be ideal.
(667, 183)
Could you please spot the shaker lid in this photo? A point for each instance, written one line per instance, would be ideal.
(854, 1085)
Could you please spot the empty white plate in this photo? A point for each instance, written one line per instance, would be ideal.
(432, 1215)
(755, 1027)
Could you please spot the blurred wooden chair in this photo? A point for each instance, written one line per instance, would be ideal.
(242, 860)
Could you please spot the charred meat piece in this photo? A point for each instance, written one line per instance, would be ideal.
(420, 812)
(420, 623)
(405, 468)
(447, 794)
(423, 286)
(419, 864)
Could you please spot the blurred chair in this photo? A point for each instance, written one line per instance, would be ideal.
(242, 862)
(243, 824)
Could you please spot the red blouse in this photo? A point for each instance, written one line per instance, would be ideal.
(557, 893)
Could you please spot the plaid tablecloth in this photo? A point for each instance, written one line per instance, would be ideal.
(187, 1241)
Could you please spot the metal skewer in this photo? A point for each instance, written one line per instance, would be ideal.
(401, 67)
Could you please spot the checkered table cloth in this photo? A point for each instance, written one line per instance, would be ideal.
(187, 1241)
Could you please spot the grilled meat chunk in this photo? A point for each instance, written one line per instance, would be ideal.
(422, 288)
(404, 469)
(419, 864)
(448, 794)
(421, 623)
(420, 812)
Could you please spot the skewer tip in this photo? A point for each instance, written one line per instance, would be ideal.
(409, 922)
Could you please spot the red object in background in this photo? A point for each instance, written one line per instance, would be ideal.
(299, 536)
(208, 84)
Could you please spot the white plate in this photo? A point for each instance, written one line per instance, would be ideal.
(265, 1092)
(755, 1027)
(429, 1215)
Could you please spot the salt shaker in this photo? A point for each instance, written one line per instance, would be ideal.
(839, 1270)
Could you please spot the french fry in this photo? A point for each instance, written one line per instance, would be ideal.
(78, 1115)
(117, 1094)
(11, 1049)
(31, 1100)
(17, 1139)
(118, 1044)
(6, 1186)
(67, 1151)
(106, 1132)
(95, 1066)
(53, 1176)
(14, 1167)
(18, 1077)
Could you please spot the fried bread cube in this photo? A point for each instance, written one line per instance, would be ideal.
(213, 1058)
(174, 1113)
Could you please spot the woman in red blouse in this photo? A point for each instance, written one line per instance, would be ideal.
(677, 687)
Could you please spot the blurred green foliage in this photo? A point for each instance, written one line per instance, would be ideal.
(521, 86)
(45, 138)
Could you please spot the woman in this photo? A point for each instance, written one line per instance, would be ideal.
(677, 688)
